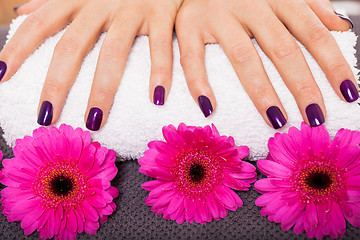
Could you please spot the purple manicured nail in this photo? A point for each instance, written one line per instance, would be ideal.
(346, 19)
(3, 68)
(349, 91)
(205, 105)
(314, 115)
(45, 114)
(94, 119)
(276, 117)
(159, 95)
(16, 8)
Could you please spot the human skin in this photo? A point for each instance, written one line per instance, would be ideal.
(232, 24)
(122, 20)
(198, 22)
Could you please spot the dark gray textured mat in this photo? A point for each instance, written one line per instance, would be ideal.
(134, 220)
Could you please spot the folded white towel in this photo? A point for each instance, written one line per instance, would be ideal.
(134, 120)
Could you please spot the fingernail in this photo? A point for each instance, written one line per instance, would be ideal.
(45, 114)
(94, 119)
(314, 115)
(346, 19)
(159, 95)
(275, 117)
(16, 8)
(349, 91)
(3, 68)
(205, 105)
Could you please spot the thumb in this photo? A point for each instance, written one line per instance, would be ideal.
(326, 13)
(29, 7)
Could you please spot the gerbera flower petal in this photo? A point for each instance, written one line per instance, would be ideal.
(313, 182)
(58, 182)
(272, 168)
(224, 197)
(150, 185)
(91, 227)
(71, 222)
(310, 217)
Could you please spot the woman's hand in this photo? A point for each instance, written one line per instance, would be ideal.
(232, 24)
(123, 20)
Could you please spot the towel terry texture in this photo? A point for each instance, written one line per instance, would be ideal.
(134, 120)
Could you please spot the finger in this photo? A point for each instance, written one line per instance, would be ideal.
(160, 38)
(192, 59)
(29, 7)
(68, 55)
(109, 70)
(249, 69)
(307, 28)
(38, 26)
(325, 11)
(281, 48)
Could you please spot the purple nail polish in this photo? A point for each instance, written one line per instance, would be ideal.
(205, 105)
(16, 8)
(276, 117)
(349, 91)
(94, 119)
(159, 95)
(314, 115)
(45, 114)
(3, 68)
(346, 19)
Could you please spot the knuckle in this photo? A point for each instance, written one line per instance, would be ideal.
(186, 60)
(307, 91)
(318, 33)
(53, 87)
(284, 48)
(111, 52)
(67, 46)
(104, 93)
(35, 21)
(161, 44)
(338, 69)
(161, 71)
(240, 54)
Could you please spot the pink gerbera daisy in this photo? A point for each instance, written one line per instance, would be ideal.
(195, 170)
(313, 183)
(59, 183)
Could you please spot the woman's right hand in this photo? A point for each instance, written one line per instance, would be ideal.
(273, 23)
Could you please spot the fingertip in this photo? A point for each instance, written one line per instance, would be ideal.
(315, 115)
(205, 105)
(45, 114)
(159, 95)
(3, 68)
(276, 117)
(94, 119)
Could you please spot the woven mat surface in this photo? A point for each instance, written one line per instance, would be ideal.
(134, 220)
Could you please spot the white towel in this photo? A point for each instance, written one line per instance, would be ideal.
(134, 120)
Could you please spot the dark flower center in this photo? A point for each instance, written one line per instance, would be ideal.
(197, 172)
(319, 180)
(61, 185)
